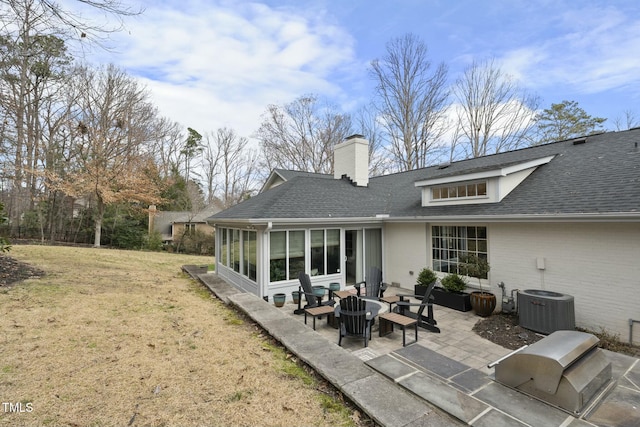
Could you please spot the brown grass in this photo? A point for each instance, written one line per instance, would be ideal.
(123, 338)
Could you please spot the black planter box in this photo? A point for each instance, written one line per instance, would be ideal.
(419, 290)
(456, 300)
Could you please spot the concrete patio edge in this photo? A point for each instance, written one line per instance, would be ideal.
(379, 398)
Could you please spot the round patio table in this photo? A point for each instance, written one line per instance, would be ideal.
(376, 308)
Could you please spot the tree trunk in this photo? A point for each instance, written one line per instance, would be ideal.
(98, 223)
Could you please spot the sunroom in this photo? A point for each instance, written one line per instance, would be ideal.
(267, 259)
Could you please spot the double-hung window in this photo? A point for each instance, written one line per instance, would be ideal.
(449, 242)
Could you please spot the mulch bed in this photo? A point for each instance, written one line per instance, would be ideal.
(503, 329)
(13, 271)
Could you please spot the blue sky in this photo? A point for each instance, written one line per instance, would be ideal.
(214, 63)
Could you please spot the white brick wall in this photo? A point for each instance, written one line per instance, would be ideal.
(598, 264)
(351, 158)
(405, 251)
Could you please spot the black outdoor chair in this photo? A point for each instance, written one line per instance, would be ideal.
(355, 318)
(374, 287)
(312, 300)
(403, 307)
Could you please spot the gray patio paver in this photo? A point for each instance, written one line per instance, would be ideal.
(531, 411)
(435, 362)
(620, 408)
(445, 397)
(470, 380)
(495, 418)
(391, 367)
(447, 377)
(390, 405)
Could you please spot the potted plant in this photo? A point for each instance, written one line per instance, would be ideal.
(453, 283)
(451, 293)
(425, 278)
(472, 265)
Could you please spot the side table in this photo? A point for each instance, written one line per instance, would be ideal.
(342, 294)
(391, 299)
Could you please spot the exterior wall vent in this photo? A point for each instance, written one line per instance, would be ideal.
(545, 311)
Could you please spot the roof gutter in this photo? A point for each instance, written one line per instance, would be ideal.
(589, 217)
(270, 222)
(384, 218)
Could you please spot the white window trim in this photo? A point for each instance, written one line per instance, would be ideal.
(458, 184)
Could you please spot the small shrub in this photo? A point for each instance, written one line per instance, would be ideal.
(453, 283)
(612, 342)
(426, 277)
(153, 241)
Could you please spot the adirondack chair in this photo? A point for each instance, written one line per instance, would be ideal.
(311, 299)
(427, 322)
(403, 317)
(374, 287)
(355, 319)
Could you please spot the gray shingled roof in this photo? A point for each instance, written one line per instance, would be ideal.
(289, 174)
(598, 177)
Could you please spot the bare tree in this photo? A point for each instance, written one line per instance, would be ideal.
(301, 135)
(411, 100)
(31, 68)
(166, 145)
(629, 120)
(33, 60)
(237, 164)
(211, 160)
(366, 123)
(493, 113)
(71, 21)
(108, 159)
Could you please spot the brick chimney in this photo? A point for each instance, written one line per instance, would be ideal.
(152, 217)
(351, 159)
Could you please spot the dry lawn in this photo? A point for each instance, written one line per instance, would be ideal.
(124, 338)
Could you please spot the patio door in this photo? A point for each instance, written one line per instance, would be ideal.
(363, 249)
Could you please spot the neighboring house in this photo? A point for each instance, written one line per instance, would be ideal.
(563, 217)
(172, 225)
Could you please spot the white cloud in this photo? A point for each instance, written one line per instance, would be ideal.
(211, 65)
(594, 50)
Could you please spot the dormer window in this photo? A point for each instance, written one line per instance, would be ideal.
(482, 185)
(459, 191)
